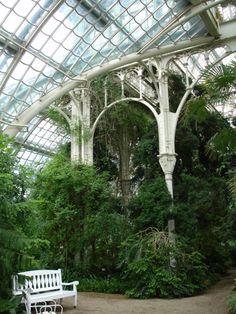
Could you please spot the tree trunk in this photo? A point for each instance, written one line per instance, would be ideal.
(124, 166)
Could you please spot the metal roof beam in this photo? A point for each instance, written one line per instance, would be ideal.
(209, 20)
(45, 101)
(6, 41)
(35, 149)
(94, 12)
(228, 37)
(180, 19)
(227, 34)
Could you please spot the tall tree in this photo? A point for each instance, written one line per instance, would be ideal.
(120, 128)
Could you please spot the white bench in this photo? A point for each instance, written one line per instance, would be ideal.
(42, 285)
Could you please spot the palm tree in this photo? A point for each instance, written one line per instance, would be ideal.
(217, 91)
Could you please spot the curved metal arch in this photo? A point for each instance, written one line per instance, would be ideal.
(190, 88)
(139, 100)
(46, 100)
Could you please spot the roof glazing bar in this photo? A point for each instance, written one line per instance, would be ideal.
(6, 42)
(182, 18)
(93, 11)
(209, 20)
(36, 54)
(35, 149)
(111, 18)
(23, 46)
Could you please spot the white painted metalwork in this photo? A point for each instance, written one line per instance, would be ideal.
(44, 308)
(42, 286)
(53, 48)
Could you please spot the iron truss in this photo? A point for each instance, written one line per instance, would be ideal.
(52, 48)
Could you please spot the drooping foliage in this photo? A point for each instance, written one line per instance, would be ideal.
(145, 260)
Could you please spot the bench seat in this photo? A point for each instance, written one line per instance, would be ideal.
(41, 286)
(49, 296)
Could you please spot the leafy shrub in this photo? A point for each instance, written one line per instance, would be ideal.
(146, 267)
(77, 213)
(98, 284)
(231, 303)
(150, 207)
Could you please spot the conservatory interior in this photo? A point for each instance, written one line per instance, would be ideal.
(118, 144)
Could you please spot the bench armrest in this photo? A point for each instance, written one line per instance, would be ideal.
(74, 283)
(17, 292)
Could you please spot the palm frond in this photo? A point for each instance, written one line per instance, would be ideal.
(196, 110)
(220, 81)
(223, 142)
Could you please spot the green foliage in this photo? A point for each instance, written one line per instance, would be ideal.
(232, 184)
(58, 119)
(145, 260)
(196, 111)
(78, 215)
(144, 157)
(176, 90)
(55, 114)
(222, 143)
(201, 216)
(107, 285)
(119, 130)
(10, 306)
(220, 82)
(151, 206)
(231, 303)
(13, 243)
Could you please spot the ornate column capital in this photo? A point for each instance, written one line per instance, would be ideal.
(167, 162)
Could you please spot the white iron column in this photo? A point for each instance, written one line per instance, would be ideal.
(75, 121)
(81, 139)
(86, 131)
(166, 125)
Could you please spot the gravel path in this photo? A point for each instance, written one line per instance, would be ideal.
(212, 302)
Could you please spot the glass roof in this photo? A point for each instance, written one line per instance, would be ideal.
(46, 43)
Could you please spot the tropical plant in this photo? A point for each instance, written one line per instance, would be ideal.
(145, 263)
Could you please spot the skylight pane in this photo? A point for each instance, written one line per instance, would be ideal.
(4, 12)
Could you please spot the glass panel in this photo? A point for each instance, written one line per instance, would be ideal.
(39, 41)
(4, 11)
(228, 12)
(5, 61)
(23, 8)
(79, 35)
(32, 159)
(12, 27)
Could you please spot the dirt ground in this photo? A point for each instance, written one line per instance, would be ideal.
(212, 302)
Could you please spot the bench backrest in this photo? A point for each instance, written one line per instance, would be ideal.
(37, 281)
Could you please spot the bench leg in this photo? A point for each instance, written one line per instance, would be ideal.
(28, 307)
(75, 300)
